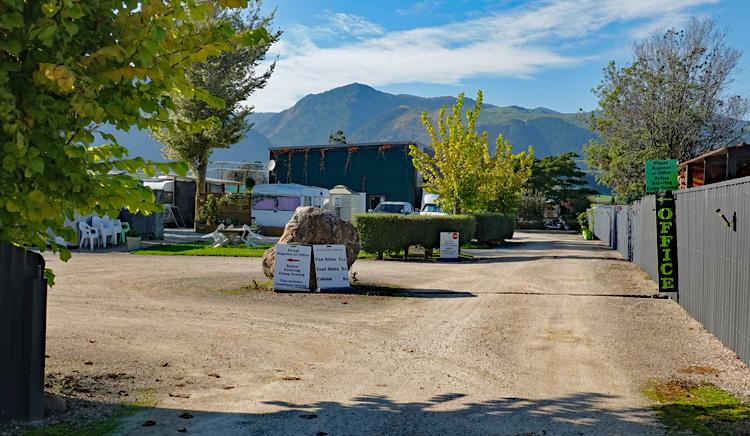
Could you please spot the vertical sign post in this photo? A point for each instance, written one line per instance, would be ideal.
(666, 242)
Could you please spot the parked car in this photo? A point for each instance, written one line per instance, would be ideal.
(402, 207)
(432, 209)
(556, 224)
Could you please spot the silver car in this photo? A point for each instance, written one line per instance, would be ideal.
(402, 207)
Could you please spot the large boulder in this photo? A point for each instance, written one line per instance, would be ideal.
(310, 226)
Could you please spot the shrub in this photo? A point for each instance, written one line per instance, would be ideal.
(493, 227)
(209, 212)
(380, 232)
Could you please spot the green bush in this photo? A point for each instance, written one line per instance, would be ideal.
(493, 227)
(381, 232)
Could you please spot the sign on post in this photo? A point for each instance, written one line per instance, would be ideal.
(666, 245)
(661, 175)
(449, 245)
(331, 269)
(292, 269)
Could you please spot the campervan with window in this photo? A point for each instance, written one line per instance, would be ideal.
(274, 204)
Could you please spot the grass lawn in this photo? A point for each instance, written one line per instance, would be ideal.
(204, 249)
(698, 408)
(412, 256)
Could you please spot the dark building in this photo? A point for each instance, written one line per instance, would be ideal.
(725, 163)
(383, 170)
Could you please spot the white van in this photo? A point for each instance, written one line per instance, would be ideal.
(274, 204)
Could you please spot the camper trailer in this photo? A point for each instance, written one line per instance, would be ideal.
(274, 204)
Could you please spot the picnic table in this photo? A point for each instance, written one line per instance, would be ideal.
(233, 235)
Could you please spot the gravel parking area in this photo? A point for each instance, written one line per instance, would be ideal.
(548, 334)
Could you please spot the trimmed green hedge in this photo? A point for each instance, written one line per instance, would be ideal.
(381, 232)
(493, 227)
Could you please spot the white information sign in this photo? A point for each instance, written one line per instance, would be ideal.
(330, 266)
(449, 245)
(292, 269)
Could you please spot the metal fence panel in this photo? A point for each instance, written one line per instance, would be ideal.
(604, 222)
(623, 231)
(714, 259)
(713, 248)
(647, 236)
(23, 303)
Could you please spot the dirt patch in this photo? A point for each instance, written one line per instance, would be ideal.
(702, 370)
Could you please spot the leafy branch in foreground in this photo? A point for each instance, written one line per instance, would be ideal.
(68, 68)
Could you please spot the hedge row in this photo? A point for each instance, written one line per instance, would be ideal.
(381, 232)
(493, 227)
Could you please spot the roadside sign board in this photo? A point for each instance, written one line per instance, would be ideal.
(449, 245)
(292, 269)
(331, 269)
(666, 242)
(661, 175)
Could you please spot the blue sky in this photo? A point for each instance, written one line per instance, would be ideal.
(529, 53)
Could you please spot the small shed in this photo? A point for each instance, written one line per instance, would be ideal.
(346, 203)
(725, 163)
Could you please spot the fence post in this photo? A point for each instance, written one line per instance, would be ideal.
(23, 315)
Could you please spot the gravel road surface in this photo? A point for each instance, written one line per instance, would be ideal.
(546, 335)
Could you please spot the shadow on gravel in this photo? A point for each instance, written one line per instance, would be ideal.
(385, 291)
(583, 413)
(506, 259)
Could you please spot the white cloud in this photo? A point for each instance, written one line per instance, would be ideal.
(515, 43)
(349, 24)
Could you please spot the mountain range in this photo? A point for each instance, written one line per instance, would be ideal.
(365, 114)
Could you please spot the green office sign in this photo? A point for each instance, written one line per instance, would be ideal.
(661, 175)
(666, 242)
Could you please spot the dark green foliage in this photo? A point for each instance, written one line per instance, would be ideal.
(381, 232)
(493, 227)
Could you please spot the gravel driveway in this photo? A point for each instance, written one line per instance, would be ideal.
(549, 334)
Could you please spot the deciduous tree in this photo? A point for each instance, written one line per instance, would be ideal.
(671, 102)
(68, 67)
(230, 77)
(462, 171)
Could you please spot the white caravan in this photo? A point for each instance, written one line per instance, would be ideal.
(274, 204)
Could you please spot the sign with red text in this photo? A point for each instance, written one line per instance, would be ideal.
(292, 269)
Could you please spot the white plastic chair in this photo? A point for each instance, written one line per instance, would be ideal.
(88, 233)
(250, 238)
(116, 231)
(104, 226)
(218, 237)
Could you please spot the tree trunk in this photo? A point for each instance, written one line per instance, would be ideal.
(199, 173)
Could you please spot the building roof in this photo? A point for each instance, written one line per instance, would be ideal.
(712, 153)
(359, 144)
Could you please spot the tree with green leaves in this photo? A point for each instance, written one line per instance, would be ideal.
(66, 69)
(230, 77)
(462, 171)
(671, 102)
(558, 178)
(337, 137)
